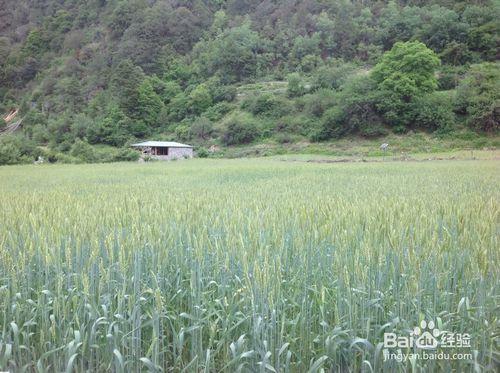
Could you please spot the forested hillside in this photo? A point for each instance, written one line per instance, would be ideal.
(85, 74)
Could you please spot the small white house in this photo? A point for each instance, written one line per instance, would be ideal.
(164, 150)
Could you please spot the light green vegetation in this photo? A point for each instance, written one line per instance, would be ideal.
(257, 265)
(416, 145)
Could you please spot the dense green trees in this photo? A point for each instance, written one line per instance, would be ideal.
(404, 74)
(479, 97)
(107, 73)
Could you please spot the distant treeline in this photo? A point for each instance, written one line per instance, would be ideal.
(109, 72)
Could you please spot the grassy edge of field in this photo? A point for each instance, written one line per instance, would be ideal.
(414, 146)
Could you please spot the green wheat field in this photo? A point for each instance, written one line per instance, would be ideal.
(245, 265)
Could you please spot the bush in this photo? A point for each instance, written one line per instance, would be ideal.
(126, 155)
(301, 124)
(355, 111)
(267, 105)
(240, 128)
(450, 76)
(332, 77)
(434, 111)
(296, 86)
(202, 153)
(83, 151)
(218, 111)
(202, 128)
(17, 149)
(317, 103)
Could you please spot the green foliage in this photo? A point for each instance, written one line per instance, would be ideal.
(201, 99)
(267, 105)
(296, 86)
(478, 96)
(83, 151)
(407, 70)
(178, 108)
(149, 104)
(240, 128)
(126, 155)
(355, 111)
(434, 111)
(232, 55)
(17, 149)
(125, 83)
(202, 153)
(333, 76)
(111, 129)
(165, 63)
(35, 44)
(201, 128)
(218, 111)
(317, 103)
(404, 74)
(450, 76)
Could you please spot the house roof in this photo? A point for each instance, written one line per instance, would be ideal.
(162, 144)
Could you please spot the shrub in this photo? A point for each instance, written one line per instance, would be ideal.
(317, 103)
(126, 155)
(355, 111)
(202, 153)
(17, 149)
(332, 77)
(434, 111)
(83, 151)
(296, 86)
(240, 128)
(218, 111)
(450, 76)
(267, 104)
(200, 99)
(202, 128)
(300, 124)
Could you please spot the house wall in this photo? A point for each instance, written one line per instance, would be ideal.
(176, 153)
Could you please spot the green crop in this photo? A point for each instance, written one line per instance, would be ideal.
(249, 265)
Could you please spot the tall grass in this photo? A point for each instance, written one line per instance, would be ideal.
(244, 265)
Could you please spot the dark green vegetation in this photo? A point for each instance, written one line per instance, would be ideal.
(90, 77)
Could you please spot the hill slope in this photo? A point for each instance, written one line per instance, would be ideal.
(241, 71)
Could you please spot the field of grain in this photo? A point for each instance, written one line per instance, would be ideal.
(245, 265)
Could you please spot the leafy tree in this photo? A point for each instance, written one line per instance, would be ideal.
(169, 91)
(332, 76)
(305, 46)
(9, 152)
(404, 73)
(149, 104)
(442, 28)
(201, 99)
(355, 111)
(232, 55)
(178, 108)
(202, 128)
(407, 69)
(478, 97)
(111, 130)
(125, 82)
(36, 43)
